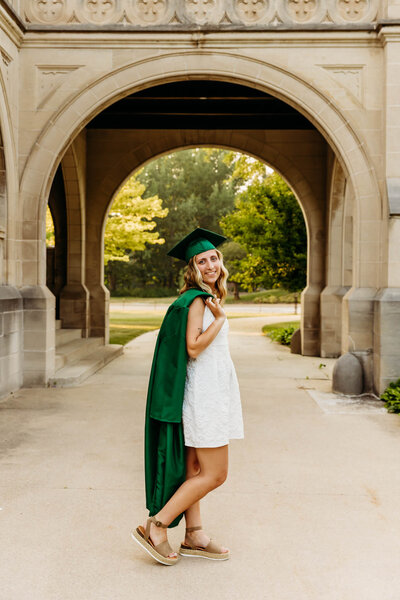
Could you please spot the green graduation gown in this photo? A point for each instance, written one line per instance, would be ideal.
(164, 449)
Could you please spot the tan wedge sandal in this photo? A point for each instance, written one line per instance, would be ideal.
(212, 551)
(159, 552)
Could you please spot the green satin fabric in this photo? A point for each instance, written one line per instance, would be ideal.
(164, 450)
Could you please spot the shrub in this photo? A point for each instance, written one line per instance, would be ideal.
(282, 335)
(391, 397)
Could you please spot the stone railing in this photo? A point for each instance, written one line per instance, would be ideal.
(200, 13)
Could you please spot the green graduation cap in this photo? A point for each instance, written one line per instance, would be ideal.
(198, 241)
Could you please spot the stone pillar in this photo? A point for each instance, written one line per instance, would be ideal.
(11, 339)
(310, 320)
(310, 297)
(99, 294)
(332, 295)
(331, 320)
(74, 298)
(39, 334)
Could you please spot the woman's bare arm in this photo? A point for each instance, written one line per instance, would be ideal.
(196, 340)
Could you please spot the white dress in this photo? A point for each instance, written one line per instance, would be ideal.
(212, 411)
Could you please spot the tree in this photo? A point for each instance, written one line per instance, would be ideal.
(130, 225)
(268, 223)
(233, 253)
(197, 188)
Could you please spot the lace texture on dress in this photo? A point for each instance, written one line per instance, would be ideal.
(212, 411)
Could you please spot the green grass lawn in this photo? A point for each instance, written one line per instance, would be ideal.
(129, 299)
(124, 327)
(265, 297)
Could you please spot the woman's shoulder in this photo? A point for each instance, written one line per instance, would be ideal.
(190, 296)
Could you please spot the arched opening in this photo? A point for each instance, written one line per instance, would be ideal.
(292, 143)
(197, 187)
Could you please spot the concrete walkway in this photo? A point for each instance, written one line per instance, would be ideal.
(310, 509)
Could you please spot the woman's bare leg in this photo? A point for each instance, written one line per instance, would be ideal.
(213, 463)
(192, 513)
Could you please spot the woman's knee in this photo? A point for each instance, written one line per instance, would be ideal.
(218, 478)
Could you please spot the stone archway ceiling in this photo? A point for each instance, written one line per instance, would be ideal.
(200, 105)
(178, 14)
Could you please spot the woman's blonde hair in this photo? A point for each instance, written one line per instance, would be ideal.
(193, 278)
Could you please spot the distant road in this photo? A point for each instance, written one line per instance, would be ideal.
(230, 309)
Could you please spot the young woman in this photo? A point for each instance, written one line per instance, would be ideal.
(207, 406)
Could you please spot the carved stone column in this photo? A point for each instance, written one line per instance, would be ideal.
(74, 298)
(39, 334)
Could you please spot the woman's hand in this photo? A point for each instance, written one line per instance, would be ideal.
(197, 339)
(214, 304)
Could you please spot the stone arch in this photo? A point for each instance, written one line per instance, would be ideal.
(121, 159)
(319, 109)
(261, 151)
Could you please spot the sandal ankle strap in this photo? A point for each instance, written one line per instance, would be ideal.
(197, 528)
(156, 522)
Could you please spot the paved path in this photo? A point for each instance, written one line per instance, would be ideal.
(241, 309)
(310, 509)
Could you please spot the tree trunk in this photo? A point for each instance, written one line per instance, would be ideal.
(236, 290)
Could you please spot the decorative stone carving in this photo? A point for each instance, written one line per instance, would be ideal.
(302, 11)
(198, 13)
(47, 11)
(353, 11)
(252, 11)
(150, 12)
(101, 11)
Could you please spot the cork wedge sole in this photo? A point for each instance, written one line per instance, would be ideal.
(198, 552)
(139, 536)
(212, 551)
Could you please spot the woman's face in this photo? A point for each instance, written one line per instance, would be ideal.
(209, 266)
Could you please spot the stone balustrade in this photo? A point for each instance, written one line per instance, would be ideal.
(200, 13)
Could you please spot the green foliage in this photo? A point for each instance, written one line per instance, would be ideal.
(391, 397)
(268, 223)
(50, 236)
(280, 332)
(130, 223)
(197, 190)
(246, 168)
